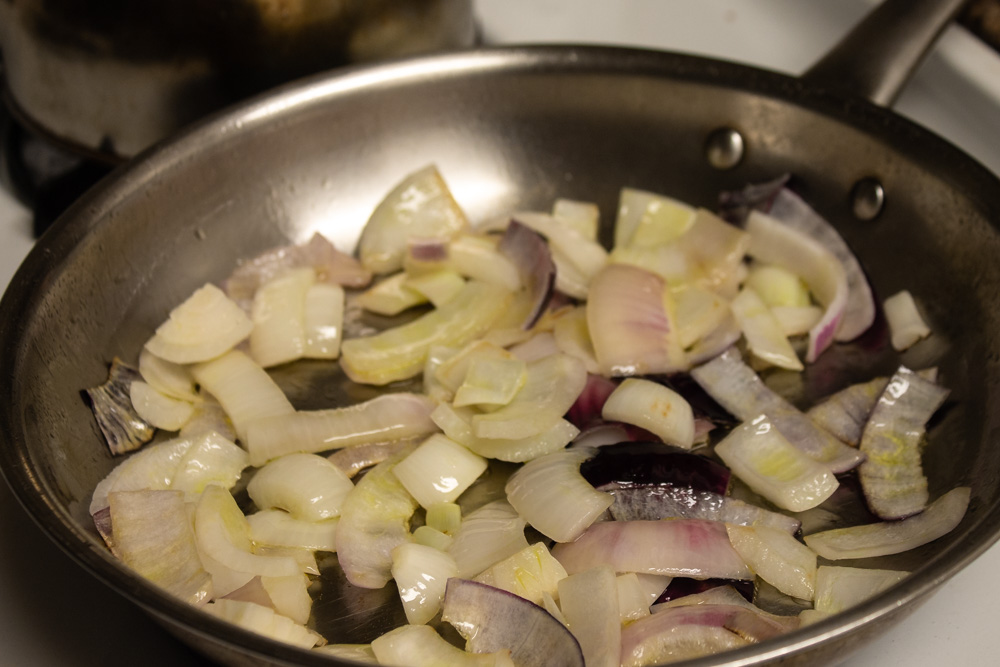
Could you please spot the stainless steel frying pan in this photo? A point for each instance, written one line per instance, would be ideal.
(509, 128)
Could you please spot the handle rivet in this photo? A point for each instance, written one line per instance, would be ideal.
(724, 148)
(867, 199)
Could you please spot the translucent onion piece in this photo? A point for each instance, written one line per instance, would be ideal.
(124, 430)
(152, 468)
(446, 517)
(892, 476)
(569, 280)
(290, 596)
(552, 495)
(374, 520)
(439, 287)
(331, 266)
(252, 591)
(775, 243)
(478, 258)
(390, 296)
(777, 286)
(645, 218)
(550, 389)
(580, 216)
(439, 470)
(494, 620)
(421, 574)
(699, 312)
(356, 652)
(716, 342)
(208, 416)
(633, 600)
(421, 205)
(491, 382)
(688, 632)
(264, 621)
(487, 535)
(845, 413)
(527, 250)
(352, 460)
(760, 455)
(224, 535)
(573, 338)
(597, 627)
(453, 368)
(681, 547)
(764, 335)
(796, 320)
(422, 646)
(244, 389)
(839, 588)
(157, 409)
(206, 325)
(432, 537)
(307, 486)
(587, 257)
(777, 558)
(211, 459)
(400, 352)
(743, 394)
(631, 322)
(277, 528)
(530, 573)
(167, 377)
(654, 407)
(278, 314)
(163, 551)
(425, 255)
(383, 418)
(323, 321)
(893, 537)
(906, 326)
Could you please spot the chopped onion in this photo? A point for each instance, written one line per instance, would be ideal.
(573, 338)
(744, 395)
(777, 558)
(845, 413)
(352, 460)
(211, 459)
(699, 311)
(152, 468)
(432, 537)
(278, 314)
(439, 287)
(681, 547)
(420, 206)
(390, 296)
(773, 242)
(631, 323)
(479, 258)
(400, 352)
(422, 646)
(439, 470)
(892, 476)
(729, 595)
(206, 325)
(290, 596)
(124, 430)
(168, 378)
(244, 389)
(893, 537)
(777, 286)
(586, 256)
(264, 621)
(537, 347)
(387, 417)
(494, 620)
(491, 382)
(687, 632)
(446, 517)
(646, 219)
(486, 536)
(764, 335)
(375, 519)
(652, 463)
(906, 326)
(166, 554)
(633, 600)
(278, 528)
(307, 486)
(357, 652)
(421, 574)
(457, 425)
(760, 455)
(208, 416)
(527, 250)
(598, 627)
(652, 406)
(554, 498)
(157, 409)
(323, 321)
(530, 573)
(580, 216)
(796, 320)
(838, 588)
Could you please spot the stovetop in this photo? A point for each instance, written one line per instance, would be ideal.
(53, 613)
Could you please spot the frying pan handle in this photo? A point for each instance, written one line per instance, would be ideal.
(876, 59)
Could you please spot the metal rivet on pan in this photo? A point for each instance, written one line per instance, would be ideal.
(724, 148)
(867, 199)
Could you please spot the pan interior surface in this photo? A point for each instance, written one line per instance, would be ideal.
(509, 129)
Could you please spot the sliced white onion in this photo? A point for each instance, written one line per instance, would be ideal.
(588, 257)
(454, 365)
(796, 320)
(569, 280)
(264, 621)
(244, 389)
(487, 535)
(597, 627)
(208, 416)
(539, 346)
(390, 296)
(580, 216)
(630, 317)
(573, 338)
(777, 286)
(278, 314)
(654, 407)
(764, 335)
(439, 470)
(645, 218)
(352, 460)
(420, 206)
(763, 458)
(439, 287)
(477, 257)
(160, 410)
(203, 327)
(164, 552)
(307, 486)
(529, 573)
(457, 425)
(552, 495)
(421, 574)
(290, 596)
(699, 312)
(906, 326)
(681, 547)
(777, 558)
(773, 242)
(374, 520)
(432, 537)
(839, 588)
(422, 646)
(323, 321)
(383, 418)
(893, 537)
(633, 600)
(278, 528)
(491, 382)
(167, 377)
(152, 468)
(400, 352)
(211, 459)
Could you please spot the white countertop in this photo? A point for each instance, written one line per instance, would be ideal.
(53, 614)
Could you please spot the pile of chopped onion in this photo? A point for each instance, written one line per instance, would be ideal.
(557, 492)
